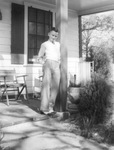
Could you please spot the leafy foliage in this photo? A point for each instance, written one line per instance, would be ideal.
(97, 29)
(101, 62)
(94, 103)
(99, 21)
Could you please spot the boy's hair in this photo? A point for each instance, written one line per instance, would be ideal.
(54, 29)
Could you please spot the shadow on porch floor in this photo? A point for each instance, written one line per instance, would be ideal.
(18, 112)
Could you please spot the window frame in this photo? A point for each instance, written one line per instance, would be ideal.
(37, 18)
(40, 6)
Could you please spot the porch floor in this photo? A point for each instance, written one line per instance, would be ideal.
(19, 111)
(25, 129)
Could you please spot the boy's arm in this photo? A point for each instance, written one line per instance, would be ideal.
(41, 54)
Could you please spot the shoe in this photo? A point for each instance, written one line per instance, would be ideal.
(52, 114)
(42, 112)
(51, 111)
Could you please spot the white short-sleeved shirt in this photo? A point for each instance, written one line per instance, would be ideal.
(50, 51)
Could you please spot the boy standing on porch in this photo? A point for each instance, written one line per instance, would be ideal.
(49, 56)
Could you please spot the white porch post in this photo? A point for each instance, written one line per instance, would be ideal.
(61, 24)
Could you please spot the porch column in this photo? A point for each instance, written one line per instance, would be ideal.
(61, 24)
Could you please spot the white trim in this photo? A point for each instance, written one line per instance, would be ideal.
(96, 10)
(41, 5)
(53, 19)
(45, 6)
(31, 65)
(25, 34)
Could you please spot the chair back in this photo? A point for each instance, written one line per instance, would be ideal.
(9, 74)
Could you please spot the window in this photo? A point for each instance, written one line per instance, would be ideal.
(39, 23)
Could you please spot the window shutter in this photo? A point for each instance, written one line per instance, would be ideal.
(17, 34)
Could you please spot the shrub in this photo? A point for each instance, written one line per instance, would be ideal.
(94, 103)
(101, 60)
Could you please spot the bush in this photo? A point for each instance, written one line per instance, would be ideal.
(101, 60)
(94, 103)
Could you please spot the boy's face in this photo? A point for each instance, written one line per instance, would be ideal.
(53, 36)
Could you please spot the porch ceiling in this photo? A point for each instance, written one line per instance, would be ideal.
(81, 6)
(85, 6)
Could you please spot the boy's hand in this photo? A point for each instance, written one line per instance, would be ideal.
(37, 60)
(40, 60)
(32, 59)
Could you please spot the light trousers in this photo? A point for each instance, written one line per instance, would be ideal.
(50, 84)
